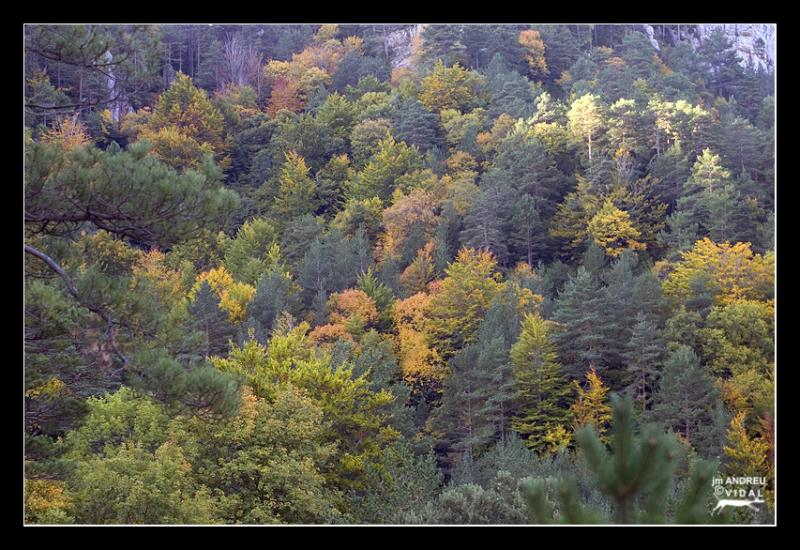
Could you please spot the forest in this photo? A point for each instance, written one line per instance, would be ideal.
(397, 274)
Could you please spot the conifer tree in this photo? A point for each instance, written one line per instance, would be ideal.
(643, 354)
(480, 394)
(415, 125)
(275, 294)
(380, 294)
(296, 195)
(212, 321)
(636, 474)
(128, 193)
(542, 390)
(377, 179)
(485, 224)
(578, 312)
(686, 399)
(530, 234)
(586, 119)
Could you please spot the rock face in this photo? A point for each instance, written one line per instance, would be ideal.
(755, 43)
(651, 35)
(399, 45)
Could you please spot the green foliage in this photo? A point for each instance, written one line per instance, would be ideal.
(267, 464)
(206, 317)
(128, 193)
(686, 400)
(251, 252)
(471, 504)
(378, 177)
(636, 474)
(348, 404)
(465, 296)
(138, 486)
(285, 273)
(399, 486)
(296, 193)
(542, 390)
(184, 118)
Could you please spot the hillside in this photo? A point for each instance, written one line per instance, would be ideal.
(399, 274)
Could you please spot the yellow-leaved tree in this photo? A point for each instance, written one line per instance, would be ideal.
(612, 229)
(233, 296)
(591, 406)
(734, 268)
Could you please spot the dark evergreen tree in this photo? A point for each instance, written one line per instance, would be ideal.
(212, 321)
(721, 62)
(275, 294)
(443, 42)
(414, 124)
(530, 234)
(486, 223)
(643, 354)
(355, 66)
(686, 399)
(525, 164)
(637, 475)
(511, 94)
(580, 334)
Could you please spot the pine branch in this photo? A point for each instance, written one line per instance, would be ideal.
(73, 290)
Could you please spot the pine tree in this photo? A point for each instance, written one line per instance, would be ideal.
(718, 55)
(443, 42)
(212, 321)
(127, 193)
(380, 294)
(636, 474)
(618, 307)
(705, 190)
(686, 399)
(457, 421)
(586, 119)
(479, 394)
(416, 125)
(542, 389)
(578, 312)
(378, 178)
(485, 224)
(330, 183)
(524, 164)
(497, 333)
(643, 354)
(275, 294)
(530, 234)
(511, 94)
(185, 126)
(297, 192)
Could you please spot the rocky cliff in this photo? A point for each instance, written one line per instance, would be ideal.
(399, 44)
(754, 42)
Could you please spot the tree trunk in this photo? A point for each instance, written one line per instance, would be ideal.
(590, 148)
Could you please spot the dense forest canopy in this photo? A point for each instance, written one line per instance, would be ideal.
(286, 274)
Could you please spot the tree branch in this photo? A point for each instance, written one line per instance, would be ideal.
(73, 290)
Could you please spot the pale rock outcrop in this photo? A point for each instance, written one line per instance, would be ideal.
(399, 44)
